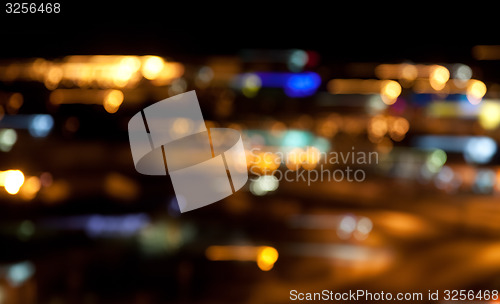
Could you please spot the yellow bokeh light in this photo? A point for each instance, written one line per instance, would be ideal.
(401, 125)
(438, 77)
(328, 128)
(408, 72)
(399, 128)
(251, 85)
(53, 77)
(266, 258)
(489, 115)
(390, 91)
(30, 188)
(112, 101)
(476, 90)
(122, 75)
(170, 72)
(267, 162)
(277, 128)
(311, 158)
(15, 102)
(121, 187)
(378, 126)
(131, 62)
(295, 158)
(11, 180)
(152, 67)
(385, 145)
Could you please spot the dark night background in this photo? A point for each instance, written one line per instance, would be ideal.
(424, 235)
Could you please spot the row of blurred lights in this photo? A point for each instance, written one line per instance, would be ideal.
(293, 84)
(296, 158)
(382, 125)
(43, 187)
(459, 178)
(425, 163)
(15, 182)
(309, 156)
(431, 79)
(91, 79)
(101, 79)
(389, 90)
(100, 71)
(429, 164)
(38, 125)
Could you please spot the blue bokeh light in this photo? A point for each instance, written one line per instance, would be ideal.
(41, 125)
(302, 85)
(294, 84)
